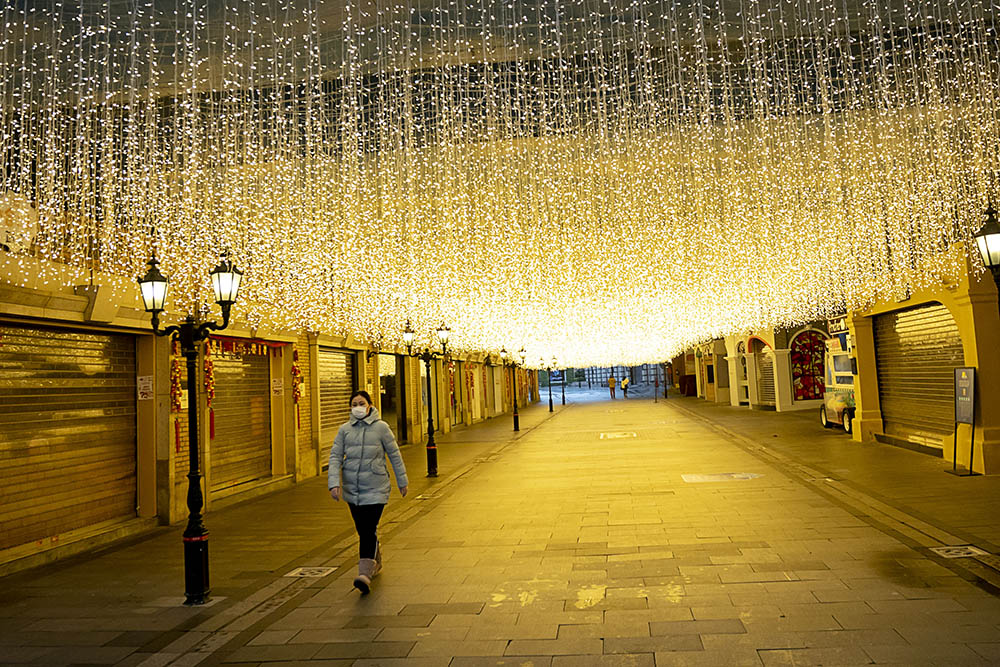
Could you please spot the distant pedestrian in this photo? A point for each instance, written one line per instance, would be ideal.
(625, 384)
(611, 385)
(358, 474)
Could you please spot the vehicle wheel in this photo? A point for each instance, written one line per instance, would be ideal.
(849, 422)
(823, 419)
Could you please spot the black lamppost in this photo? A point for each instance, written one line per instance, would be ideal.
(427, 356)
(226, 280)
(549, 371)
(507, 361)
(988, 241)
(562, 383)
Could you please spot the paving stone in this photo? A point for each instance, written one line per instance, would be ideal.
(256, 654)
(741, 657)
(947, 655)
(343, 650)
(652, 644)
(272, 637)
(409, 621)
(604, 630)
(714, 627)
(570, 646)
(401, 634)
(813, 656)
(520, 661)
(458, 648)
(618, 660)
(332, 636)
(400, 662)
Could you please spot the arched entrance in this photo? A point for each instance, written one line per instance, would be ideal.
(807, 350)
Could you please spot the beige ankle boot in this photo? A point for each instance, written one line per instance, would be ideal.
(378, 558)
(366, 570)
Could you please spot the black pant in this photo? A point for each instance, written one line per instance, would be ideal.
(366, 518)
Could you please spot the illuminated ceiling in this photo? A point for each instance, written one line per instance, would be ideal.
(605, 182)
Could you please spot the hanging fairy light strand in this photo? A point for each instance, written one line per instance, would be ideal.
(607, 181)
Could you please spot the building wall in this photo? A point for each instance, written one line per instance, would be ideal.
(972, 301)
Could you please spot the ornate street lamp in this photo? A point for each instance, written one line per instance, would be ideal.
(988, 242)
(507, 361)
(226, 279)
(427, 355)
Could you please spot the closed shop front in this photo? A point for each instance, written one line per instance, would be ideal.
(916, 352)
(336, 384)
(765, 366)
(241, 448)
(67, 430)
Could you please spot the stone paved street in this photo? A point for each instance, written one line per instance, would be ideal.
(606, 534)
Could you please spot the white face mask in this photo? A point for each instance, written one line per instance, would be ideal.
(359, 411)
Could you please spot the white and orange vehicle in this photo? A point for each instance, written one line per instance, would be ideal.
(838, 398)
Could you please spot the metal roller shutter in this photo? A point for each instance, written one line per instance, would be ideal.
(336, 384)
(916, 352)
(241, 449)
(67, 431)
(767, 394)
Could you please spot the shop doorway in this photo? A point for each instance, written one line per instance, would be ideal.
(393, 398)
(808, 372)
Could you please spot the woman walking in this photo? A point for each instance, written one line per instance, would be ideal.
(358, 474)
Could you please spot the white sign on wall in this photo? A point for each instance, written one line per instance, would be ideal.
(277, 386)
(144, 387)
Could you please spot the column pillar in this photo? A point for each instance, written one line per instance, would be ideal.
(783, 380)
(978, 318)
(868, 412)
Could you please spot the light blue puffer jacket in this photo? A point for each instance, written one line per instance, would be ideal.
(359, 450)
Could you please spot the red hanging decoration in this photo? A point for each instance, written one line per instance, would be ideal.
(210, 388)
(177, 436)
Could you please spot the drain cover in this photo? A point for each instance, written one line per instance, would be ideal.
(614, 435)
(963, 551)
(720, 477)
(310, 572)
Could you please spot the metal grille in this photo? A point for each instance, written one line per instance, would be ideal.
(241, 449)
(336, 383)
(916, 352)
(766, 367)
(67, 431)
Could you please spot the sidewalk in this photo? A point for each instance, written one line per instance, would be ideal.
(101, 606)
(608, 533)
(912, 482)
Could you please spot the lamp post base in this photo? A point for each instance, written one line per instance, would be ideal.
(432, 461)
(196, 587)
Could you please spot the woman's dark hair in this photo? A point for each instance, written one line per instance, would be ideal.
(363, 394)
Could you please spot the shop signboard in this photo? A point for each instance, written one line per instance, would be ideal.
(965, 395)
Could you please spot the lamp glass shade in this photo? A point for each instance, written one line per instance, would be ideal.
(153, 287)
(988, 240)
(522, 354)
(443, 332)
(226, 280)
(408, 336)
(503, 353)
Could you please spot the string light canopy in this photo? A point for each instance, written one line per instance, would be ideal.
(608, 181)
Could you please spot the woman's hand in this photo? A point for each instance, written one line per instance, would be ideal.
(403, 490)
(335, 493)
